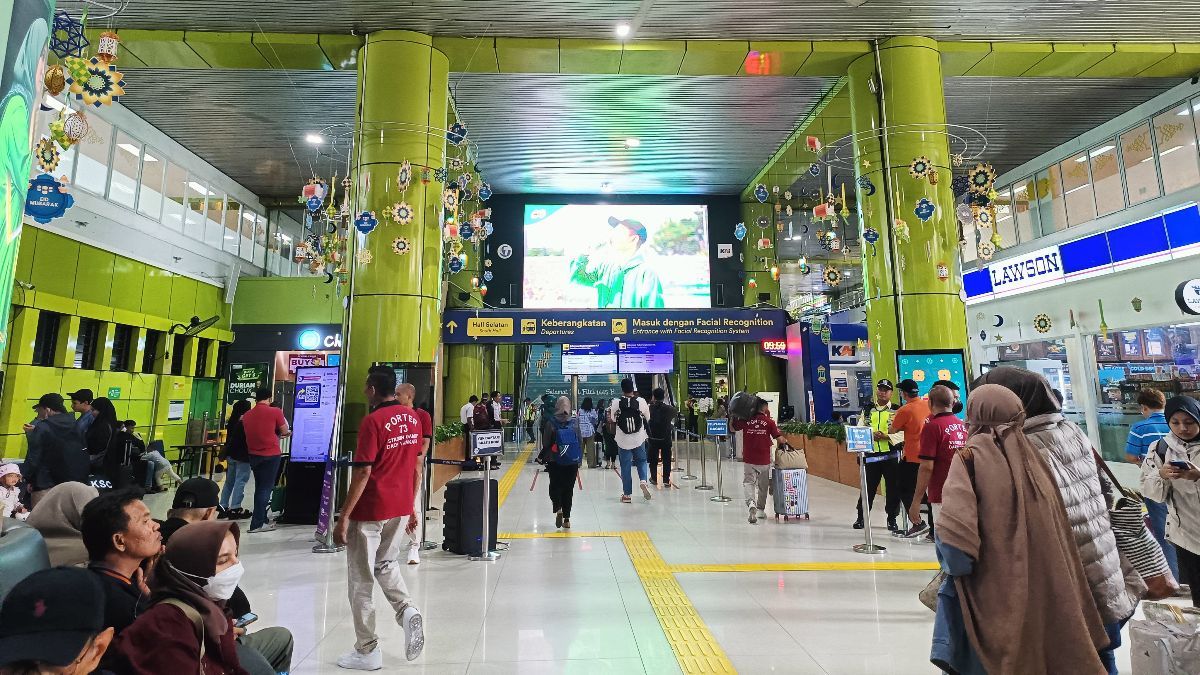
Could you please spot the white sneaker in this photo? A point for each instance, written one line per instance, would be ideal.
(267, 527)
(646, 491)
(414, 632)
(414, 555)
(753, 515)
(372, 660)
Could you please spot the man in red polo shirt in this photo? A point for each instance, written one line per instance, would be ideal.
(757, 434)
(943, 436)
(377, 510)
(264, 426)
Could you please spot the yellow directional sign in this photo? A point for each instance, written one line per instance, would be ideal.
(452, 325)
(477, 327)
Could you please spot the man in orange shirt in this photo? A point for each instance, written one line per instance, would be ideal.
(911, 420)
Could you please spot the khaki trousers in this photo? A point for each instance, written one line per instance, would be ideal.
(372, 549)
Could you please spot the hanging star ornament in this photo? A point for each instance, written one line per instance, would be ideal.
(866, 163)
(102, 85)
(66, 37)
(402, 213)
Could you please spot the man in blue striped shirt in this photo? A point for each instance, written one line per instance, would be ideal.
(1142, 436)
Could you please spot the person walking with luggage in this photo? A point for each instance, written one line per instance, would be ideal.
(589, 417)
(909, 420)
(562, 445)
(757, 434)
(1169, 476)
(942, 437)
(883, 460)
(630, 415)
(1142, 435)
(377, 510)
(660, 436)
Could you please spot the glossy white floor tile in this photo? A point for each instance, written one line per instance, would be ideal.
(576, 605)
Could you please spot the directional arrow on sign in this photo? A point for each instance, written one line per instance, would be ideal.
(452, 325)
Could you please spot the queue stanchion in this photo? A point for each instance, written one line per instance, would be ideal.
(859, 440)
(486, 444)
(324, 533)
(719, 428)
(704, 485)
(687, 473)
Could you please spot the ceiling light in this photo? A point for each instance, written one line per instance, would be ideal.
(57, 104)
(315, 139)
(632, 143)
(606, 187)
(130, 148)
(623, 30)
(1094, 152)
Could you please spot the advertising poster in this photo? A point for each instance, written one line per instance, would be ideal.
(616, 257)
(1131, 346)
(28, 23)
(314, 413)
(1106, 349)
(244, 378)
(929, 366)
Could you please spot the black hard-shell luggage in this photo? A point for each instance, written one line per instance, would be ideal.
(462, 516)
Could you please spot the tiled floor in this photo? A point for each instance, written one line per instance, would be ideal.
(578, 605)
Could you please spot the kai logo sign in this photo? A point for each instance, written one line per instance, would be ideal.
(1035, 269)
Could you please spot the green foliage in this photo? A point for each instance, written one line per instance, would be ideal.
(814, 429)
(448, 431)
(677, 237)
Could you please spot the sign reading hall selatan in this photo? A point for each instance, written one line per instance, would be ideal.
(591, 325)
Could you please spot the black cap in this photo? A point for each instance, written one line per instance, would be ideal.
(947, 384)
(910, 387)
(50, 615)
(51, 401)
(196, 493)
(83, 395)
(633, 225)
(884, 384)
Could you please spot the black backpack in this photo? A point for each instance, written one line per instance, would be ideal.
(662, 417)
(629, 415)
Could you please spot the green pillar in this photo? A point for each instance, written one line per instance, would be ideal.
(757, 260)
(909, 306)
(754, 371)
(464, 377)
(402, 97)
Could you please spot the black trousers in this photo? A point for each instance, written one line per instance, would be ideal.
(654, 450)
(887, 470)
(1189, 571)
(562, 486)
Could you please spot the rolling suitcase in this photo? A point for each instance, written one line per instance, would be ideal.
(462, 516)
(790, 487)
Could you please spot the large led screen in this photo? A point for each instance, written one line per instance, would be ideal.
(616, 257)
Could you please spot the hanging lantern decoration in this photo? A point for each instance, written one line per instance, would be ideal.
(943, 271)
(426, 175)
(102, 84)
(55, 80)
(932, 177)
(804, 268)
(483, 290)
(774, 273)
(475, 283)
(764, 243)
(752, 283)
(106, 47)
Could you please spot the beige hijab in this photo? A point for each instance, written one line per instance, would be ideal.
(58, 516)
(1027, 606)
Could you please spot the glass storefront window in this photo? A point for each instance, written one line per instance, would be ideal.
(214, 224)
(260, 240)
(1077, 190)
(1051, 205)
(233, 215)
(126, 162)
(150, 196)
(1025, 211)
(1175, 137)
(92, 172)
(175, 187)
(197, 204)
(1106, 177)
(1141, 171)
(246, 235)
(1005, 224)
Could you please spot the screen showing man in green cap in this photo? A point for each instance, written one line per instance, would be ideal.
(619, 271)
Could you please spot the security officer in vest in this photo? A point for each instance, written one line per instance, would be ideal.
(883, 462)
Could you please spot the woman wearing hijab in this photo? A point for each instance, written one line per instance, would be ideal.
(562, 463)
(1069, 455)
(1170, 474)
(187, 629)
(1017, 588)
(106, 445)
(58, 517)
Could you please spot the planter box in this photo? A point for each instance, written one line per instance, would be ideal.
(848, 467)
(455, 448)
(796, 440)
(822, 457)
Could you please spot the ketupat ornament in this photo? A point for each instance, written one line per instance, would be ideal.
(103, 84)
(402, 213)
(1041, 323)
(400, 246)
(900, 227)
(68, 129)
(996, 240)
(919, 168)
(55, 80)
(47, 155)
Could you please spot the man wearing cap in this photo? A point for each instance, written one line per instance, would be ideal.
(882, 463)
(195, 501)
(909, 420)
(53, 622)
(56, 448)
(81, 402)
(620, 272)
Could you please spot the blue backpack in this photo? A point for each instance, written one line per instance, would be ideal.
(566, 440)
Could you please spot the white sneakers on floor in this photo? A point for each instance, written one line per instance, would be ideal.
(414, 632)
(414, 555)
(372, 660)
(266, 527)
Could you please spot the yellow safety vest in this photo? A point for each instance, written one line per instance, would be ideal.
(880, 420)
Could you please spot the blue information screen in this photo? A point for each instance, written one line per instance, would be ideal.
(589, 358)
(927, 367)
(646, 357)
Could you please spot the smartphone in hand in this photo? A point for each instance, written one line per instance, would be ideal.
(245, 620)
(1182, 465)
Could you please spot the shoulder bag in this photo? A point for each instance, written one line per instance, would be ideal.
(1135, 541)
(197, 623)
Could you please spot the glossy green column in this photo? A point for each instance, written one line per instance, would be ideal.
(402, 98)
(464, 377)
(754, 371)
(910, 305)
(756, 259)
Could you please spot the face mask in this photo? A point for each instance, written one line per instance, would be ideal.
(221, 585)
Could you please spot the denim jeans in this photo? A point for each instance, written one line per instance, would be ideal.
(266, 470)
(1108, 656)
(628, 457)
(234, 490)
(1158, 528)
(156, 466)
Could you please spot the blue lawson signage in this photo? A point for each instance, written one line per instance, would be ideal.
(461, 326)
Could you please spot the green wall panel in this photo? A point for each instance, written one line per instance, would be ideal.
(57, 254)
(287, 300)
(156, 293)
(183, 299)
(128, 284)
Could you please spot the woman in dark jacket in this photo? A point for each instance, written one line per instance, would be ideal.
(238, 457)
(106, 445)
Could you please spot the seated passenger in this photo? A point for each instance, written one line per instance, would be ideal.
(59, 517)
(196, 502)
(53, 622)
(122, 543)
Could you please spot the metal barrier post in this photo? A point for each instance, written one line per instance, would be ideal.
(688, 475)
(869, 547)
(720, 497)
(703, 468)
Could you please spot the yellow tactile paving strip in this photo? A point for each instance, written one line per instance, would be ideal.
(808, 567)
(510, 477)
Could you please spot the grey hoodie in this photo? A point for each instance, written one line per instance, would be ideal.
(56, 453)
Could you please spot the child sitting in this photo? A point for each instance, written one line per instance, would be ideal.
(10, 493)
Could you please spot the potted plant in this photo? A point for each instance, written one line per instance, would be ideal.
(448, 443)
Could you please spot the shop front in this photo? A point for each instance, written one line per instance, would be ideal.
(1103, 317)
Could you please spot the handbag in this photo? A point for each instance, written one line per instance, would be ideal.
(1135, 541)
(790, 458)
(929, 594)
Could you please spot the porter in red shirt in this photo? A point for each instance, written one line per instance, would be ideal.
(757, 433)
(263, 424)
(389, 439)
(943, 435)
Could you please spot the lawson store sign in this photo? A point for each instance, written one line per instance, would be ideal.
(1167, 236)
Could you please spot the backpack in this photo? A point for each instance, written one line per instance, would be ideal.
(566, 441)
(481, 417)
(629, 415)
(662, 416)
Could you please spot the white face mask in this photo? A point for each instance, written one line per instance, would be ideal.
(221, 585)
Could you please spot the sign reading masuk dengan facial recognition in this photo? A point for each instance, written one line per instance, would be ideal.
(1037, 269)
